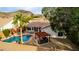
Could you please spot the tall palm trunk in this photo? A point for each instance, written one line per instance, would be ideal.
(21, 35)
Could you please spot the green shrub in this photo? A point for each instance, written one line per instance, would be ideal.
(0, 37)
(6, 32)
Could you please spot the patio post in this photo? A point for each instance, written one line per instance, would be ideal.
(49, 39)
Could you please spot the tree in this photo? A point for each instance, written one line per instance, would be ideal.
(20, 20)
(64, 19)
(6, 32)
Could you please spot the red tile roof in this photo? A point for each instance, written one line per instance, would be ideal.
(42, 34)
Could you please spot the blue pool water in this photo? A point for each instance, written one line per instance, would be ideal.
(17, 39)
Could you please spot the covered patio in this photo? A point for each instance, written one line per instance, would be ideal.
(42, 37)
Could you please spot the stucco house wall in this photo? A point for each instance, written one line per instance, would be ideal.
(49, 31)
(6, 23)
(9, 25)
(52, 33)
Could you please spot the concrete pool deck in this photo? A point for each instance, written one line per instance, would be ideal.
(16, 47)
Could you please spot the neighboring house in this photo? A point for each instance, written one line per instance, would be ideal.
(6, 23)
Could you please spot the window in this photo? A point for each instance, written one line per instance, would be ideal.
(60, 33)
(28, 28)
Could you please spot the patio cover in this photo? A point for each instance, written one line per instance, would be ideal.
(42, 34)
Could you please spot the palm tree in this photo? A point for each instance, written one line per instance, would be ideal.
(20, 20)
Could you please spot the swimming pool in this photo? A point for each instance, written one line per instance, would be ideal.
(17, 39)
